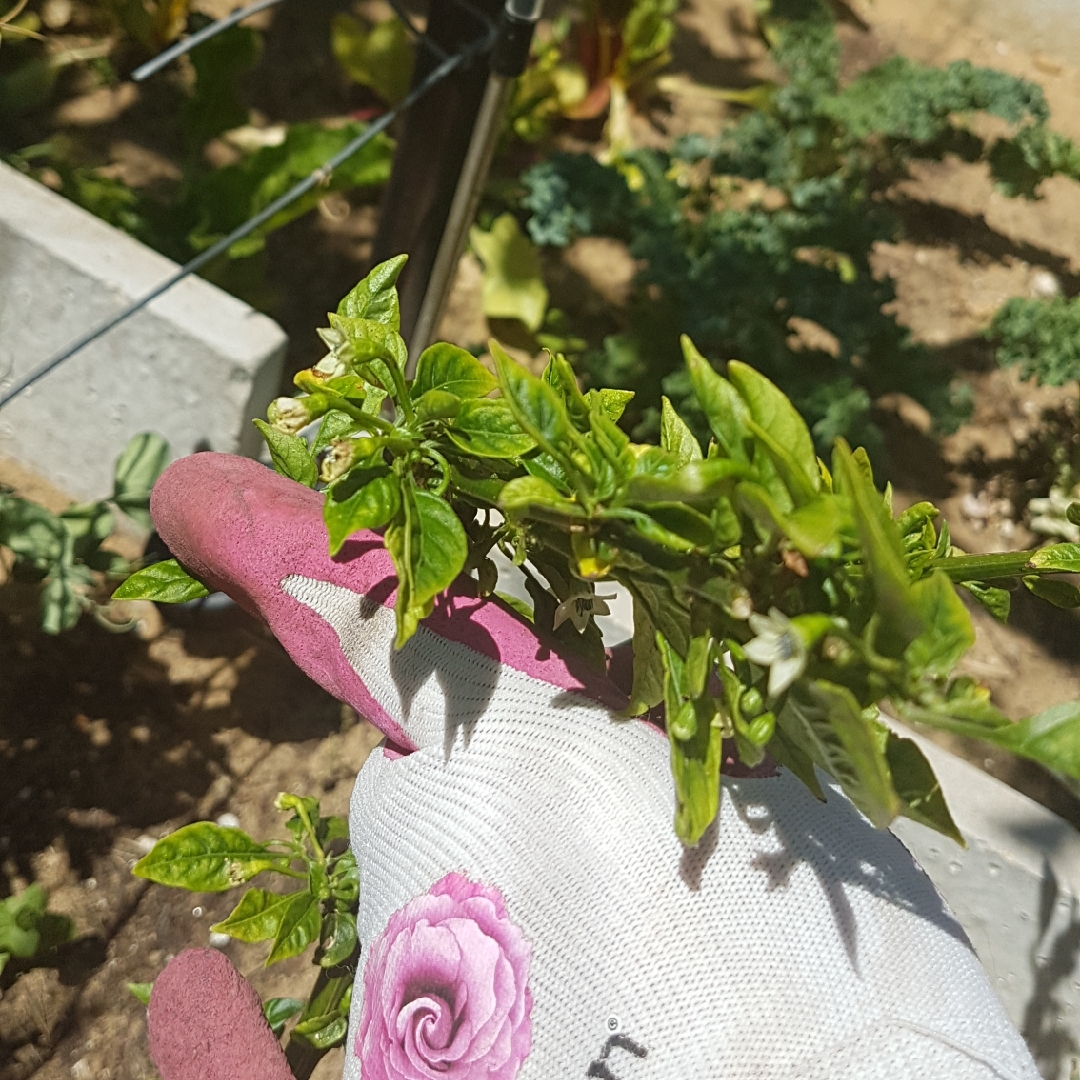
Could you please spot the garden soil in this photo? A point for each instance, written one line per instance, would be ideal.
(108, 741)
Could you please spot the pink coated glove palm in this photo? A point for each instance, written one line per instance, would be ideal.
(526, 910)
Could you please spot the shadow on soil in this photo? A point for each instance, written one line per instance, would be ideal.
(99, 732)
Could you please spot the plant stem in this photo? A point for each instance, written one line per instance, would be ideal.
(1005, 564)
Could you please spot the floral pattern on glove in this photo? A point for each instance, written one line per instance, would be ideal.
(446, 989)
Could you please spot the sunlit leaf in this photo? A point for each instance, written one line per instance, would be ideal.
(512, 286)
(826, 720)
(165, 582)
(676, 436)
(380, 57)
(257, 917)
(298, 928)
(487, 428)
(205, 857)
(290, 454)
(447, 367)
(783, 431)
(948, 632)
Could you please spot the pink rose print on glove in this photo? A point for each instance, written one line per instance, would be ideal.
(446, 993)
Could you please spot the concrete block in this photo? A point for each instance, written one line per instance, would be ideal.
(195, 365)
(1016, 892)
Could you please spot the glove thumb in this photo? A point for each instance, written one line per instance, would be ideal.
(206, 1023)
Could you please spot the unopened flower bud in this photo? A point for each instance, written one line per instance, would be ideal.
(751, 702)
(837, 650)
(741, 606)
(292, 415)
(342, 455)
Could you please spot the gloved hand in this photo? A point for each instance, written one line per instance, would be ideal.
(526, 910)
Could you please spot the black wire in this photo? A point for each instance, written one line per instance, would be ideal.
(420, 35)
(151, 67)
(299, 190)
(144, 71)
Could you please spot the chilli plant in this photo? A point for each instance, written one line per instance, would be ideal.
(777, 599)
(64, 554)
(319, 912)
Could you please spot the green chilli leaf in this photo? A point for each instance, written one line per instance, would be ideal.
(1051, 738)
(335, 425)
(827, 721)
(290, 455)
(371, 339)
(142, 461)
(529, 494)
(376, 297)
(429, 548)
(695, 760)
(204, 857)
(948, 632)
(815, 529)
(487, 428)
(675, 436)
(1062, 557)
(165, 582)
(1062, 594)
(613, 402)
(443, 546)
(437, 405)
(278, 1011)
(882, 552)
(695, 482)
(299, 927)
(727, 412)
(339, 938)
(919, 789)
(371, 507)
(537, 408)
(443, 366)
(782, 430)
(996, 601)
(257, 917)
(648, 685)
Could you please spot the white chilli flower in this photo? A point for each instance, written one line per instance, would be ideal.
(578, 607)
(336, 362)
(778, 646)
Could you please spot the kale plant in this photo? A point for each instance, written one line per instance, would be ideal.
(769, 227)
(777, 600)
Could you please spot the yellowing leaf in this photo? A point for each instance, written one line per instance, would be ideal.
(512, 286)
(380, 57)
